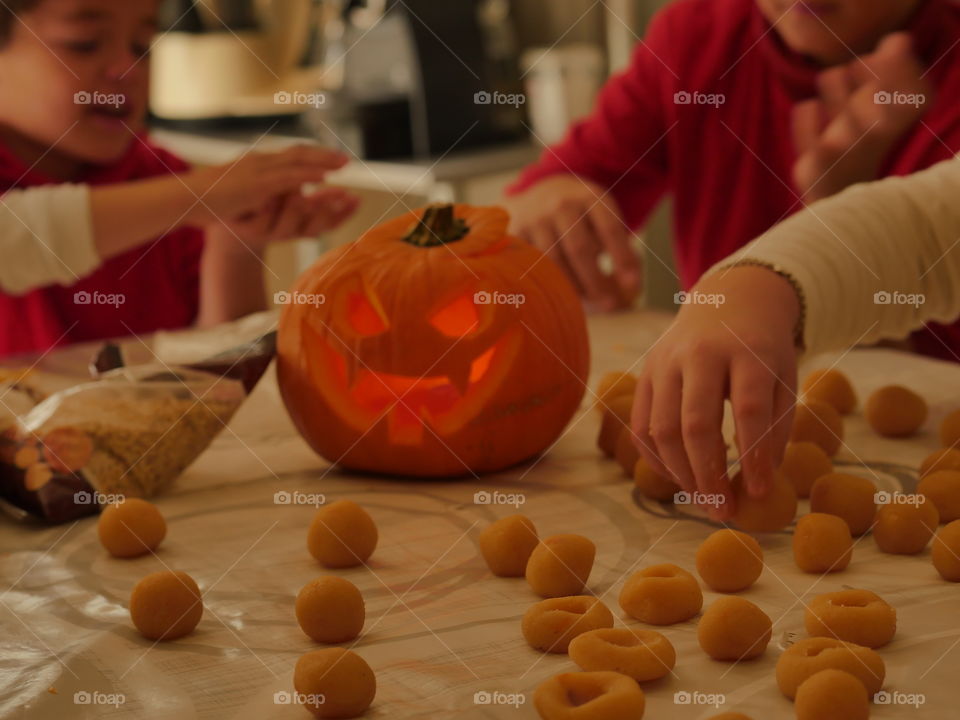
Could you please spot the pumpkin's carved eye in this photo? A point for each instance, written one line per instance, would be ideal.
(458, 318)
(366, 319)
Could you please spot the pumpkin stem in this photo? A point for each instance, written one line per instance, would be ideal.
(438, 226)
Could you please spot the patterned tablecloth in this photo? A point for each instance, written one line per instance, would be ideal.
(442, 634)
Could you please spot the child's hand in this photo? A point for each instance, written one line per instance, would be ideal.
(864, 108)
(575, 221)
(734, 339)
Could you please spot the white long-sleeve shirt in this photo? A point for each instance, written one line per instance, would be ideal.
(46, 237)
(875, 261)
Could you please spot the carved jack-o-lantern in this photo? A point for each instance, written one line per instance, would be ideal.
(436, 344)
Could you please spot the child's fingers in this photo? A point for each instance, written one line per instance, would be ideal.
(542, 236)
(615, 238)
(784, 399)
(807, 122)
(665, 426)
(327, 209)
(287, 218)
(751, 396)
(310, 155)
(836, 85)
(287, 178)
(640, 426)
(704, 385)
(582, 250)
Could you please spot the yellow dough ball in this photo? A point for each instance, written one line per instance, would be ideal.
(770, 513)
(330, 610)
(652, 485)
(166, 605)
(334, 683)
(832, 695)
(850, 497)
(131, 528)
(822, 543)
(342, 535)
(616, 417)
(818, 422)
(560, 565)
(942, 459)
(943, 489)
(550, 625)
(615, 384)
(729, 561)
(803, 463)
(895, 411)
(598, 695)
(946, 551)
(625, 452)
(733, 628)
(857, 616)
(905, 528)
(506, 545)
(644, 655)
(950, 430)
(661, 595)
(811, 655)
(830, 386)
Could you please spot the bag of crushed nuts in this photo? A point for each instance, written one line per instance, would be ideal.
(128, 433)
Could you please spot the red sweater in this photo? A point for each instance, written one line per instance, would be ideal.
(729, 168)
(160, 280)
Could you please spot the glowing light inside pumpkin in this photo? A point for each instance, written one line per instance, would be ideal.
(457, 319)
(366, 319)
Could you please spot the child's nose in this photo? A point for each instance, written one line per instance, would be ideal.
(125, 64)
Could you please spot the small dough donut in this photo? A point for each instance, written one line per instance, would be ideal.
(733, 628)
(600, 695)
(857, 616)
(661, 595)
(729, 561)
(770, 513)
(644, 655)
(830, 386)
(506, 545)
(560, 565)
(850, 497)
(946, 551)
(616, 417)
(950, 430)
(943, 488)
(822, 543)
(625, 452)
(832, 695)
(334, 683)
(330, 610)
(895, 411)
(811, 655)
(942, 459)
(803, 463)
(166, 605)
(906, 528)
(651, 485)
(820, 423)
(131, 528)
(342, 535)
(550, 625)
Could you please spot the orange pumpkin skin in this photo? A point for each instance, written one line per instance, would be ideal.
(403, 369)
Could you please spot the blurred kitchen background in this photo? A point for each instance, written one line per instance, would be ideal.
(434, 100)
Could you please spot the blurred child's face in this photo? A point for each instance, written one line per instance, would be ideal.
(831, 30)
(74, 76)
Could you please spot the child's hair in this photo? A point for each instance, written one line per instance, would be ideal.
(9, 10)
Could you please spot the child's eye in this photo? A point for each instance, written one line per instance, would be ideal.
(141, 49)
(84, 46)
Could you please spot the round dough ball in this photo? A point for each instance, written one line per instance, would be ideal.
(832, 387)
(733, 628)
(166, 605)
(131, 528)
(730, 716)
(822, 543)
(942, 459)
(811, 655)
(506, 545)
(942, 487)
(560, 565)
(895, 411)
(818, 422)
(334, 683)
(598, 695)
(616, 417)
(550, 625)
(615, 384)
(330, 610)
(803, 463)
(729, 561)
(832, 695)
(625, 452)
(857, 616)
(651, 485)
(770, 513)
(946, 551)
(950, 430)
(661, 595)
(342, 535)
(850, 497)
(643, 655)
(905, 528)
